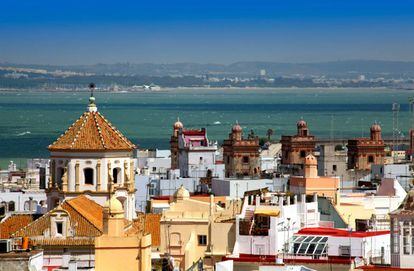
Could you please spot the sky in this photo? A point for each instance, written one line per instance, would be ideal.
(75, 32)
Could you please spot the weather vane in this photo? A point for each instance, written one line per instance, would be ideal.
(92, 87)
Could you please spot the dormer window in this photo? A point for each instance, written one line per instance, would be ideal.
(59, 228)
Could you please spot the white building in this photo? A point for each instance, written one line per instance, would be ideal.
(269, 158)
(155, 164)
(323, 243)
(402, 234)
(197, 155)
(23, 201)
(402, 172)
(92, 158)
(235, 188)
(268, 220)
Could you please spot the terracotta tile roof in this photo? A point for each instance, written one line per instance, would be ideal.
(92, 132)
(87, 208)
(14, 223)
(69, 241)
(147, 223)
(85, 217)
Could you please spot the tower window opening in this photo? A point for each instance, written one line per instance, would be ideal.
(370, 159)
(88, 175)
(116, 173)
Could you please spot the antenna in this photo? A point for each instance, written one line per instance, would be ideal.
(395, 128)
(411, 101)
(411, 132)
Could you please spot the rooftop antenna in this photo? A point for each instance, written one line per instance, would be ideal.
(411, 101)
(395, 124)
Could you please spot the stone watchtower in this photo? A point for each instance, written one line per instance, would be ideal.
(241, 156)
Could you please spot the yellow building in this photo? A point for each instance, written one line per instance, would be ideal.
(192, 230)
(311, 183)
(114, 249)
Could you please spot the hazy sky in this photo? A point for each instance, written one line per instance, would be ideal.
(205, 31)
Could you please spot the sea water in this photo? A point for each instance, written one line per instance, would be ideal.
(30, 121)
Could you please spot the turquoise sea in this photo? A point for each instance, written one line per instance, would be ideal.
(30, 121)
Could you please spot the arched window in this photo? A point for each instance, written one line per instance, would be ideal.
(3, 208)
(116, 174)
(26, 205)
(12, 207)
(59, 173)
(88, 175)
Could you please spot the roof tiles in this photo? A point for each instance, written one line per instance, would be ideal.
(92, 132)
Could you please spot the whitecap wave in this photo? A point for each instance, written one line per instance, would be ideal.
(24, 133)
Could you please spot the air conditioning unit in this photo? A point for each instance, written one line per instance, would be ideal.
(5, 245)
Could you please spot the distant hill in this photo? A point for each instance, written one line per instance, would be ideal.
(239, 68)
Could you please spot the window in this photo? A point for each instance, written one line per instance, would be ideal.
(116, 174)
(395, 239)
(88, 175)
(370, 159)
(334, 168)
(202, 240)
(154, 169)
(245, 159)
(26, 205)
(406, 241)
(60, 172)
(11, 206)
(314, 246)
(302, 154)
(59, 228)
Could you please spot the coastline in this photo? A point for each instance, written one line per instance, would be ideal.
(171, 89)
